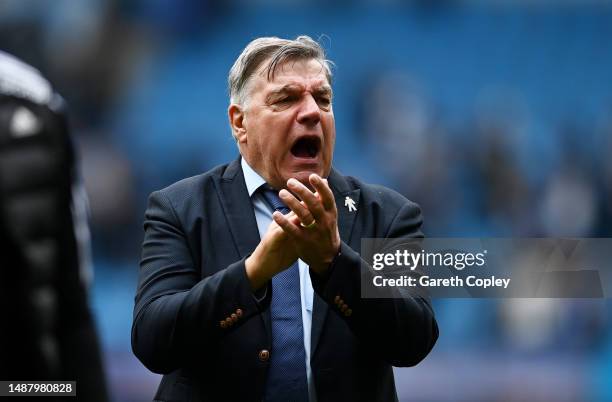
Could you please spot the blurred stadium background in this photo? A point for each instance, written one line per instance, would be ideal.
(496, 116)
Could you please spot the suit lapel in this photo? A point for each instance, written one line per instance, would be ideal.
(236, 205)
(346, 216)
(346, 219)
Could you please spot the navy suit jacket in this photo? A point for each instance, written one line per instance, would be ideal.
(192, 278)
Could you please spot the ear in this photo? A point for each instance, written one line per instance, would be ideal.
(237, 122)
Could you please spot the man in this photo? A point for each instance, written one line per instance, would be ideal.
(48, 331)
(222, 308)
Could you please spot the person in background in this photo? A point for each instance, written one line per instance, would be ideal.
(48, 333)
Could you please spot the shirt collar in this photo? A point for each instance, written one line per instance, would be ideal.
(252, 179)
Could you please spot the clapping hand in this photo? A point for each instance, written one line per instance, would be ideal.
(313, 225)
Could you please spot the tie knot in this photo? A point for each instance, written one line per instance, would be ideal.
(271, 196)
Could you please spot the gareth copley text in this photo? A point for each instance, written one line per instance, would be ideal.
(454, 281)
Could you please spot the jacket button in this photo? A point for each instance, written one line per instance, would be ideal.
(222, 324)
(239, 312)
(348, 312)
(264, 355)
(234, 317)
(228, 321)
(343, 308)
(337, 299)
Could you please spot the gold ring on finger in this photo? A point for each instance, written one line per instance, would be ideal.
(310, 225)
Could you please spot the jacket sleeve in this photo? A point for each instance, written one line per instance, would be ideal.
(177, 315)
(401, 329)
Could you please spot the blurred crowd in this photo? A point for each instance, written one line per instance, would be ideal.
(495, 118)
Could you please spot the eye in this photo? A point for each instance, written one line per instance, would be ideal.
(324, 101)
(285, 99)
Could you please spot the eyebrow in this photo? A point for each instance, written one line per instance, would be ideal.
(322, 90)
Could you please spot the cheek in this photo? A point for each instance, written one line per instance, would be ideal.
(272, 148)
(329, 131)
(329, 150)
(328, 122)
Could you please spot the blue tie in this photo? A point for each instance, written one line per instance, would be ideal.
(287, 380)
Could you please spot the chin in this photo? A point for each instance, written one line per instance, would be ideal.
(303, 175)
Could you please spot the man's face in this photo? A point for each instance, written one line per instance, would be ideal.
(289, 128)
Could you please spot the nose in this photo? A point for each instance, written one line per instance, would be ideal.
(309, 113)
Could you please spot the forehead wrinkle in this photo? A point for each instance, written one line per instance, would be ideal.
(272, 70)
(288, 88)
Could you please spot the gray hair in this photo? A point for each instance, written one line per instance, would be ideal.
(275, 51)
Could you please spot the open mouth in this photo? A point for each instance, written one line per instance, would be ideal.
(306, 147)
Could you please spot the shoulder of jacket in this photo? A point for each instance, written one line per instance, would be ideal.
(190, 189)
(378, 194)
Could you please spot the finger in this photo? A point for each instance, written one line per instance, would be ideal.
(308, 197)
(323, 190)
(292, 217)
(288, 227)
(276, 231)
(297, 207)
